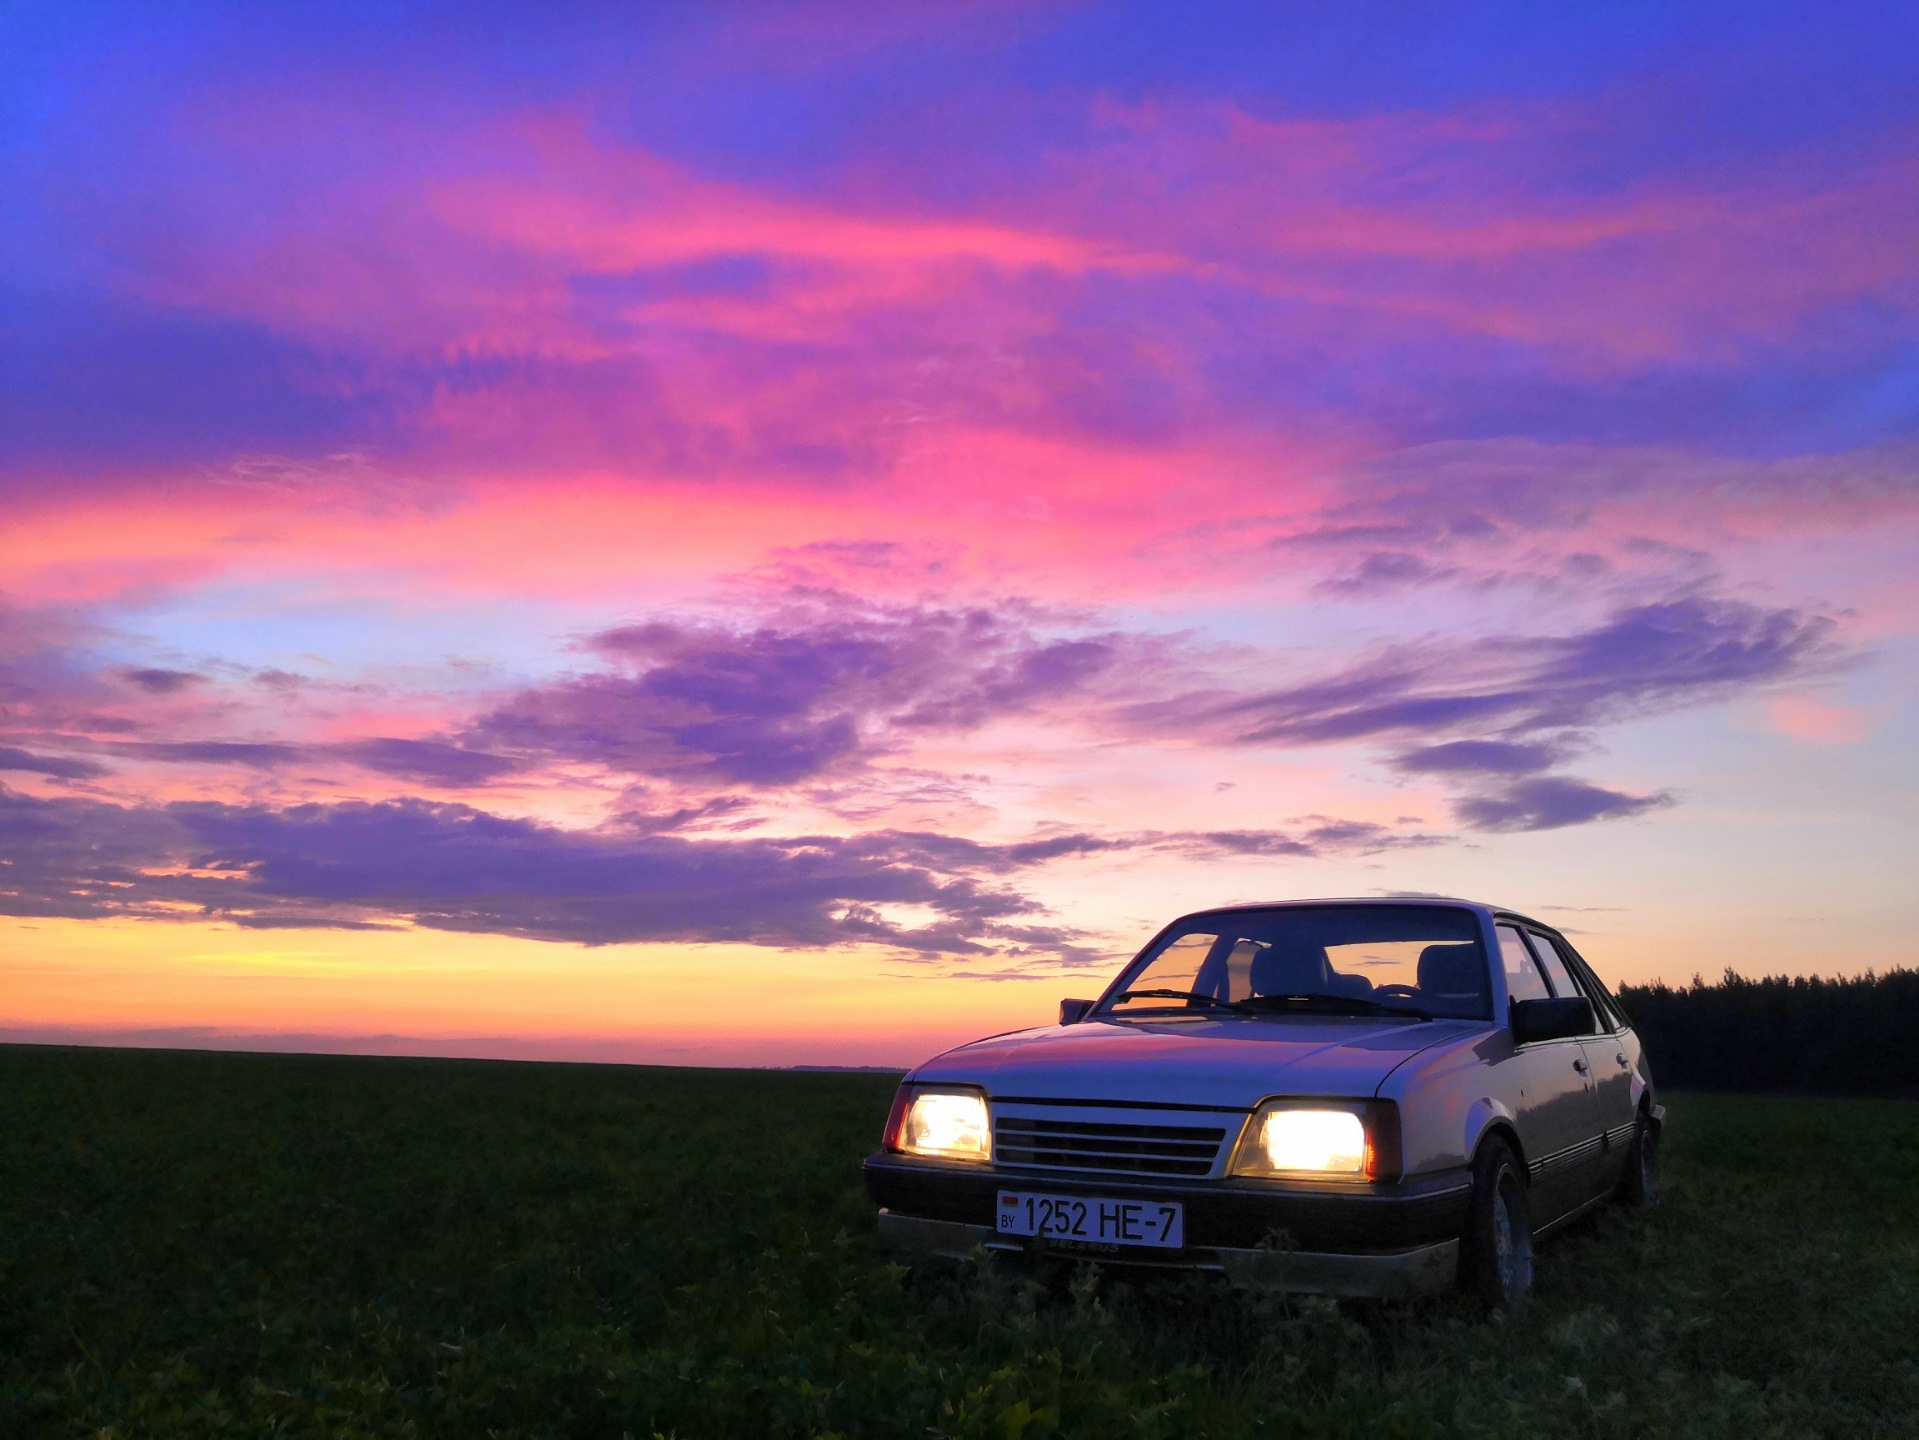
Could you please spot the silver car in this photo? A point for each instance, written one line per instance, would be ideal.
(1343, 1097)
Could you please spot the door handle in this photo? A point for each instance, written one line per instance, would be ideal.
(1623, 1065)
(1580, 1066)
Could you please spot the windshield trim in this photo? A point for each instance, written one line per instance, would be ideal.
(1103, 1007)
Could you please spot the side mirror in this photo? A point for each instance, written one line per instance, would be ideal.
(1551, 1019)
(1071, 1012)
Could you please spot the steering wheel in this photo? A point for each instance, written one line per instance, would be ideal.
(1400, 992)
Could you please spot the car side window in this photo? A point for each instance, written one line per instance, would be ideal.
(1523, 980)
(1607, 1008)
(1561, 976)
(1554, 967)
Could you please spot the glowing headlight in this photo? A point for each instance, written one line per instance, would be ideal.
(1361, 1143)
(948, 1124)
(1328, 1140)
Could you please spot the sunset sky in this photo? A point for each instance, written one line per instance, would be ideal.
(803, 533)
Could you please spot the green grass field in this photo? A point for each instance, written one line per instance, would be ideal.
(203, 1244)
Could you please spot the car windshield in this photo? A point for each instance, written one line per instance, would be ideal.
(1423, 960)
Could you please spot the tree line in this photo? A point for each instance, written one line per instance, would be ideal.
(1845, 1036)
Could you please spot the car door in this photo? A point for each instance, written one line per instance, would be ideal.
(1558, 1122)
(1608, 1054)
(1596, 1166)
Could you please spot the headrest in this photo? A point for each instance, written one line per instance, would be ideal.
(1452, 970)
(1295, 970)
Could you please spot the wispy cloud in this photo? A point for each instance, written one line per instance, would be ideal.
(446, 866)
(1641, 660)
(827, 687)
(781, 703)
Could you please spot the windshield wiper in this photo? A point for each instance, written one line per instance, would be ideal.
(1304, 1004)
(1210, 1000)
(1329, 1005)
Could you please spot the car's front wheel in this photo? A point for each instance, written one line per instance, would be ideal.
(1496, 1252)
(1639, 1181)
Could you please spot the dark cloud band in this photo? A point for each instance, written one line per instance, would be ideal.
(453, 867)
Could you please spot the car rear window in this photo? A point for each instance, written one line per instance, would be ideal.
(1426, 957)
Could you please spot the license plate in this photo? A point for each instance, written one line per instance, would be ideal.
(1092, 1219)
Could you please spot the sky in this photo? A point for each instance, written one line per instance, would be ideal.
(803, 534)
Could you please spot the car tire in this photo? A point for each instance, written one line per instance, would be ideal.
(1639, 1181)
(1496, 1251)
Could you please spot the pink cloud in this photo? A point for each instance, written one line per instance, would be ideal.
(1806, 717)
(541, 303)
(1461, 221)
(906, 369)
(1409, 218)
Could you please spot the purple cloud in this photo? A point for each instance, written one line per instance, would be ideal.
(1018, 681)
(1643, 659)
(85, 859)
(60, 767)
(1527, 699)
(835, 684)
(1432, 497)
(261, 755)
(726, 812)
(1381, 573)
(1550, 802)
(702, 705)
(162, 682)
(776, 705)
(1479, 757)
(449, 866)
(427, 762)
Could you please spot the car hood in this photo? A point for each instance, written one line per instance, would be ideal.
(1236, 1062)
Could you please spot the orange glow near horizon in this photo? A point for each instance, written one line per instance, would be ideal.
(429, 992)
(435, 992)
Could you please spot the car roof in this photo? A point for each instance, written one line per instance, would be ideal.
(1450, 901)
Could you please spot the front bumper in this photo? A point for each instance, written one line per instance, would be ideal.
(1376, 1240)
(1389, 1275)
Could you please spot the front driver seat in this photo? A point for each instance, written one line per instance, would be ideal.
(1295, 970)
(1453, 974)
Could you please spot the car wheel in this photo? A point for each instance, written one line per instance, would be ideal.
(1496, 1252)
(1639, 1181)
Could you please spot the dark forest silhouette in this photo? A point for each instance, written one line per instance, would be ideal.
(1857, 1036)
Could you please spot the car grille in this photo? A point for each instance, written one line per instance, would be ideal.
(1126, 1149)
